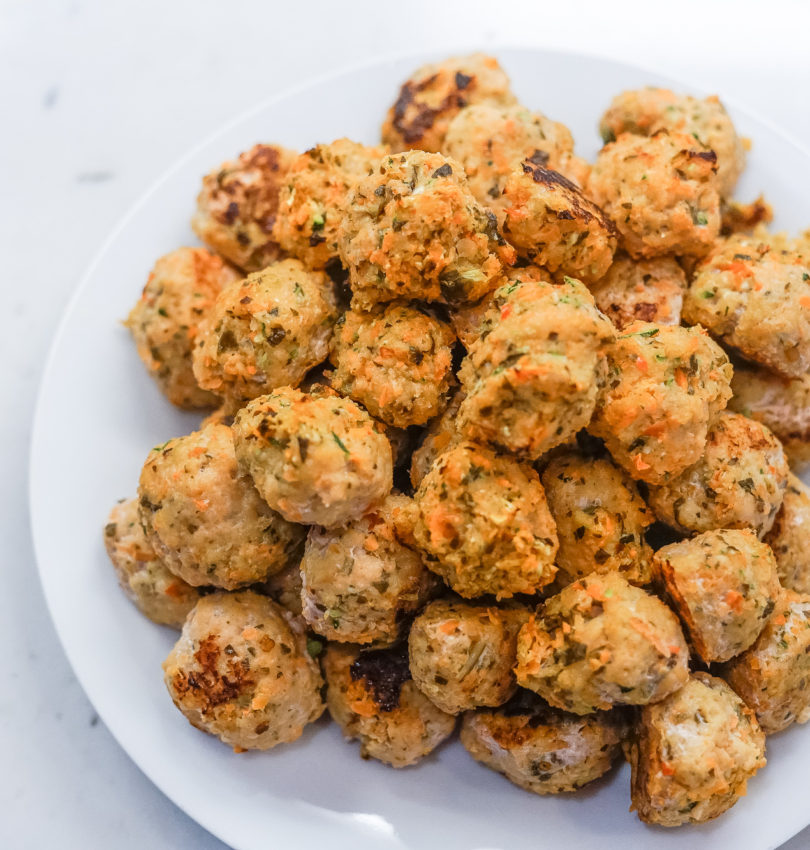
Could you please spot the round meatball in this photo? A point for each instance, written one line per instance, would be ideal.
(665, 384)
(413, 230)
(436, 93)
(600, 518)
(462, 655)
(206, 522)
(440, 434)
(532, 378)
(789, 537)
(313, 198)
(241, 671)
(266, 331)
(692, 755)
(156, 592)
(371, 697)
(602, 642)
(738, 482)
(756, 299)
(396, 361)
(238, 203)
(314, 458)
(724, 586)
(484, 524)
(541, 749)
(661, 192)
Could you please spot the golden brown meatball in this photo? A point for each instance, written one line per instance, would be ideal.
(484, 525)
(739, 481)
(601, 642)
(241, 671)
(207, 523)
(692, 754)
(789, 537)
(440, 434)
(371, 697)
(237, 206)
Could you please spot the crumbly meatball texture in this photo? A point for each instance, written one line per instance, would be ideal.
(314, 458)
(600, 518)
(241, 671)
(238, 203)
(484, 525)
(436, 93)
(206, 522)
(789, 537)
(361, 582)
(692, 755)
(539, 748)
(396, 361)
(266, 331)
(440, 434)
(755, 298)
(156, 592)
(664, 385)
(723, 585)
(660, 192)
(462, 655)
(413, 230)
(602, 642)
(533, 376)
(372, 698)
(739, 481)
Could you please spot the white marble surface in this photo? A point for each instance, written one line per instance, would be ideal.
(98, 98)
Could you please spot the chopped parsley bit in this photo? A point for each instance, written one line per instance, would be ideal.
(805, 276)
(651, 332)
(162, 312)
(340, 443)
(314, 647)
(707, 294)
(701, 218)
(161, 446)
(318, 221)
(298, 290)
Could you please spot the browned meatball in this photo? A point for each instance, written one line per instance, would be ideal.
(789, 537)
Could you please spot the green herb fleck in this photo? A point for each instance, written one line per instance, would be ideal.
(340, 443)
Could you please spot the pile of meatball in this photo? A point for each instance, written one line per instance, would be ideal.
(496, 439)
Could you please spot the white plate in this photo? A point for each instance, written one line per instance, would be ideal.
(99, 414)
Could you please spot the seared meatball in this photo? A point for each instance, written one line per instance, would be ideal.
(441, 433)
(692, 754)
(789, 537)
(413, 230)
(241, 671)
(314, 458)
(739, 481)
(237, 206)
(206, 522)
(484, 525)
(601, 642)
(664, 385)
(157, 593)
(661, 192)
(723, 584)
(371, 697)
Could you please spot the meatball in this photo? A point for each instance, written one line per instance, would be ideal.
(600, 518)
(665, 384)
(396, 361)
(313, 198)
(789, 537)
(371, 697)
(208, 524)
(692, 754)
(541, 749)
(484, 525)
(156, 592)
(285, 588)
(241, 671)
(266, 331)
(314, 458)
(602, 642)
(661, 192)
(413, 230)
(436, 93)
(237, 206)
(738, 482)
(724, 586)
(361, 581)
(756, 299)
(532, 378)
(462, 655)
(441, 433)
(772, 675)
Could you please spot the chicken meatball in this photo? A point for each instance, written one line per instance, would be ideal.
(602, 642)
(206, 522)
(285, 588)
(241, 671)
(789, 537)
(372, 698)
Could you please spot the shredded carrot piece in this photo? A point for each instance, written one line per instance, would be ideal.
(448, 627)
(667, 769)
